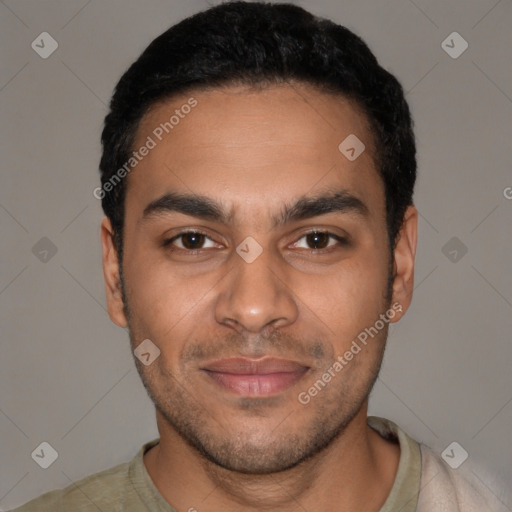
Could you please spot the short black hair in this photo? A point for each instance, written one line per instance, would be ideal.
(254, 44)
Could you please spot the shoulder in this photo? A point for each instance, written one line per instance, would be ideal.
(101, 491)
(444, 489)
(119, 488)
(438, 487)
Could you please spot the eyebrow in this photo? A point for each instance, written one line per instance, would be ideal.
(341, 202)
(188, 204)
(202, 207)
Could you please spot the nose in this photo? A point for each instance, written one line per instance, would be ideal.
(256, 295)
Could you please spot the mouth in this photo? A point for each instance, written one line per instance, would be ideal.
(255, 377)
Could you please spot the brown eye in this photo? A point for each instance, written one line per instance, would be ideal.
(317, 240)
(192, 240)
(320, 240)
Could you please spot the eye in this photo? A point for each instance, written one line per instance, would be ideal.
(190, 241)
(319, 240)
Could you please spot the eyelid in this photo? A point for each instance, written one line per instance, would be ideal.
(343, 240)
(169, 241)
(186, 231)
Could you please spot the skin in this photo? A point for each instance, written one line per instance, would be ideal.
(253, 152)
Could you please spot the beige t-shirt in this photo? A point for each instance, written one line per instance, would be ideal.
(423, 483)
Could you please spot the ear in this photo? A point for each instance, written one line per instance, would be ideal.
(115, 305)
(403, 265)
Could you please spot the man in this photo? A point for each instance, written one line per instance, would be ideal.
(257, 177)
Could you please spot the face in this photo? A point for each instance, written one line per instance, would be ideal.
(255, 256)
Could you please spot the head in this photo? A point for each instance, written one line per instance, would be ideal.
(297, 241)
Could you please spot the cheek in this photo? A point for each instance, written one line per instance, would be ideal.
(156, 298)
(348, 299)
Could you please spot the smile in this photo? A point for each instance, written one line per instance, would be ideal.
(263, 377)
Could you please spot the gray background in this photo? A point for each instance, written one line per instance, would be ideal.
(67, 375)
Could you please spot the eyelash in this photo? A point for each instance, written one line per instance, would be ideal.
(168, 243)
(344, 242)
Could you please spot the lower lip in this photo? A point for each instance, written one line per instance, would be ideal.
(257, 385)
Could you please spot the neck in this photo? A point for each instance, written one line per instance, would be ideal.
(355, 472)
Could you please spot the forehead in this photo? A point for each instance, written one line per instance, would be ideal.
(259, 147)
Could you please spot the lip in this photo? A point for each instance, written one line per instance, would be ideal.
(255, 377)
